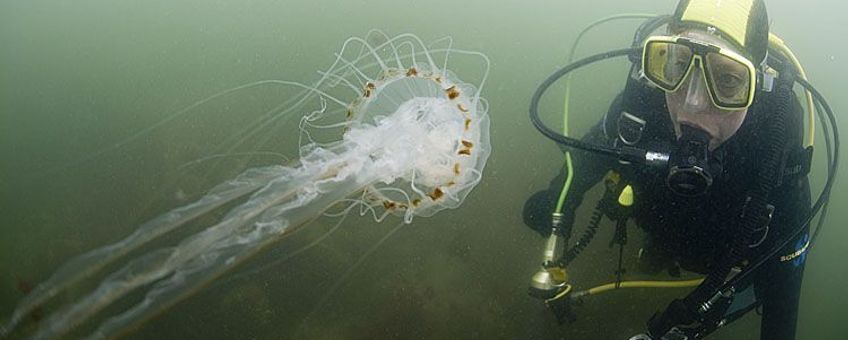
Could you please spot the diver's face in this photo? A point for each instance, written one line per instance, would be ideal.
(691, 104)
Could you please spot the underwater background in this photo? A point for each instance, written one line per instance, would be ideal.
(80, 79)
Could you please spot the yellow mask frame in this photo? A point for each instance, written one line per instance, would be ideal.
(656, 56)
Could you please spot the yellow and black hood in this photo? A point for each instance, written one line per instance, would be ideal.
(743, 23)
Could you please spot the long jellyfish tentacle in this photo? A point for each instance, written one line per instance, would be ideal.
(265, 267)
(92, 261)
(353, 88)
(196, 251)
(280, 157)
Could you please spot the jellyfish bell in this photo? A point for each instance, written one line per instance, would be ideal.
(438, 149)
(414, 141)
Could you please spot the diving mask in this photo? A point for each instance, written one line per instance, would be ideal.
(667, 61)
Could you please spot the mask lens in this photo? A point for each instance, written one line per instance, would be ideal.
(730, 80)
(665, 63)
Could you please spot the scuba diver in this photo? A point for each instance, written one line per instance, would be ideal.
(705, 150)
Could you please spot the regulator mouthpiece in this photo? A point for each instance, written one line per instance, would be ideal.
(689, 164)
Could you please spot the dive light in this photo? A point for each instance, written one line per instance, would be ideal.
(550, 280)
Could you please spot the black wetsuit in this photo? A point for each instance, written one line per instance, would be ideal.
(695, 233)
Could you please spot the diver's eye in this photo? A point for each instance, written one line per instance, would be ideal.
(729, 81)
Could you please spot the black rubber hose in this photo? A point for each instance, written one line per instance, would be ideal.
(586, 238)
(829, 151)
(557, 137)
(649, 27)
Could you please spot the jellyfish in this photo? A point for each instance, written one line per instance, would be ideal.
(386, 128)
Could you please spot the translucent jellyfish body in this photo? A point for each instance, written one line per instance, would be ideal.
(412, 140)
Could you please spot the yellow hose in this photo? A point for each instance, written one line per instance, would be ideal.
(644, 284)
(569, 176)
